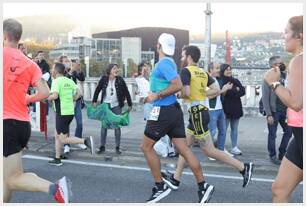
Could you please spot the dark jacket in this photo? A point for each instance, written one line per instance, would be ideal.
(76, 76)
(44, 66)
(231, 101)
(270, 100)
(121, 89)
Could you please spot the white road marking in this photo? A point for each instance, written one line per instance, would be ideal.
(140, 168)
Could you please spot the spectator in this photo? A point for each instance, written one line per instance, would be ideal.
(114, 93)
(45, 69)
(216, 113)
(232, 105)
(276, 113)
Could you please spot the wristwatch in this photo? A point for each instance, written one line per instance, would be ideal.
(274, 85)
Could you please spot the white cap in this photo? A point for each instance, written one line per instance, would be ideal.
(167, 42)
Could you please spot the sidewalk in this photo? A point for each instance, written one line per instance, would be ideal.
(252, 140)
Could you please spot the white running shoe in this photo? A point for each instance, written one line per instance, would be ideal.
(62, 191)
(212, 159)
(236, 151)
(81, 146)
(66, 149)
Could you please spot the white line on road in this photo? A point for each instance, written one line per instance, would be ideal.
(138, 168)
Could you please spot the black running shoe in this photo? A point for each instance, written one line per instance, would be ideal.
(89, 142)
(56, 162)
(206, 193)
(168, 178)
(157, 195)
(247, 173)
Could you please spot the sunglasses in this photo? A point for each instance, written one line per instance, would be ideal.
(112, 92)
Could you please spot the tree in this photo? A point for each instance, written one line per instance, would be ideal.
(33, 47)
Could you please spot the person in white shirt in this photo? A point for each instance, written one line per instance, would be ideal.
(143, 86)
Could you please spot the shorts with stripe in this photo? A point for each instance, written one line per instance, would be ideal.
(198, 122)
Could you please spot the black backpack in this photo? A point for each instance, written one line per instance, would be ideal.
(261, 108)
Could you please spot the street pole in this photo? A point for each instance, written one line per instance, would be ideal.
(126, 67)
(208, 14)
(87, 66)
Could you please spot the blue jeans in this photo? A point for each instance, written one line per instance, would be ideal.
(78, 119)
(234, 130)
(279, 117)
(217, 120)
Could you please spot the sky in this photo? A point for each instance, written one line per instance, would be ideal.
(235, 17)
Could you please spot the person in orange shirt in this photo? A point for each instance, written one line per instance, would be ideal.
(19, 72)
(290, 172)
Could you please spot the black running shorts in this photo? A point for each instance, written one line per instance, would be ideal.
(170, 122)
(198, 122)
(62, 123)
(295, 149)
(16, 135)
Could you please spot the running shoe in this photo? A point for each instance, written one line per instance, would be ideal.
(206, 193)
(157, 194)
(90, 143)
(236, 151)
(81, 146)
(62, 191)
(56, 162)
(247, 173)
(66, 149)
(169, 179)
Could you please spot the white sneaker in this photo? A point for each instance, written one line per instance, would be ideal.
(63, 192)
(236, 151)
(227, 152)
(66, 149)
(81, 146)
(212, 159)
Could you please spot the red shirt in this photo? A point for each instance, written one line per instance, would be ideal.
(19, 72)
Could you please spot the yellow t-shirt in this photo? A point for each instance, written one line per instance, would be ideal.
(198, 80)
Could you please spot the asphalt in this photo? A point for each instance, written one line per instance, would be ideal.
(96, 182)
(252, 141)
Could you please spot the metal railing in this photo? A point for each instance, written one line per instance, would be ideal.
(249, 101)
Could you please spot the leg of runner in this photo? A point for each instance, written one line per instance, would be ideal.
(88, 141)
(245, 169)
(205, 190)
(181, 161)
(153, 160)
(209, 150)
(288, 177)
(15, 179)
(160, 190)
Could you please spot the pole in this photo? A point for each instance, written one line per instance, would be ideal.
(208, 14)
(87, 66)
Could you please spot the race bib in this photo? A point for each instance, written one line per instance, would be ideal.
(154, 114)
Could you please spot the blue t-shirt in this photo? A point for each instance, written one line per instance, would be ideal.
(165, 71)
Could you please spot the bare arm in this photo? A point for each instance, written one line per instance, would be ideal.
(185, 92)
(292, 96)
(42, 92)
(213, 91)
(53, 96)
